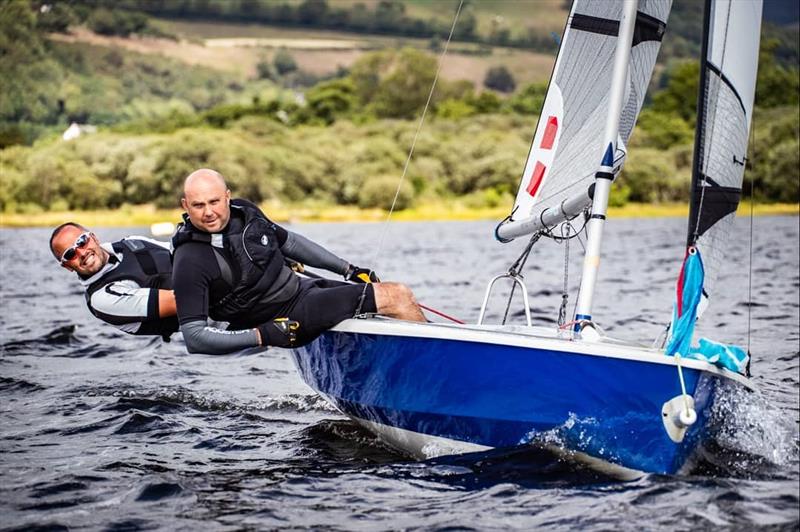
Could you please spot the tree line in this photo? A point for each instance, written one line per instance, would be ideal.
(342, 140)
(385, 17)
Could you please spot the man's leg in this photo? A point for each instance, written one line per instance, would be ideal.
(397, 301)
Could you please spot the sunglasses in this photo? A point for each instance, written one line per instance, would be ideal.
(80, 243)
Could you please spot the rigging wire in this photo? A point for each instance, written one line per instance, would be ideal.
(750, 263)
(379, 248)
(562, 310)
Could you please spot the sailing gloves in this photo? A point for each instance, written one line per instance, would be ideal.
(360, 275)
(280, 332)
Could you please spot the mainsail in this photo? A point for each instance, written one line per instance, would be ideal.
(725, 106)
(568, 147)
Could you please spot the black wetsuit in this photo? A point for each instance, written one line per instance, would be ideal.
(207, 273)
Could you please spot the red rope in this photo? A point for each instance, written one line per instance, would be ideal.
(442, 314)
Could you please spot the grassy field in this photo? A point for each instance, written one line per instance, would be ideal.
(516, 15)
(144, 215)
(209, 44)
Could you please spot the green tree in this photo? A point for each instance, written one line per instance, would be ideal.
(30, 78)
(662, 130)
(265, 69)
(57, 18)
(389, 15)
(284, 62)
(330, 99)
(102, 21)
(394, 84)
(776, 85)
(650, 175)
(528, 100)
(486, 102)
(312, 12)
(679, 97)
(116, 22)
(499, 78)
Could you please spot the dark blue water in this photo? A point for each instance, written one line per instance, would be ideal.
(100, 430)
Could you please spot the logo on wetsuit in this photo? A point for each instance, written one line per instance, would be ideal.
(264, 240)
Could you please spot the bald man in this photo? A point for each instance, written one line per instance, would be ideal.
(230, 265)
(127, 282)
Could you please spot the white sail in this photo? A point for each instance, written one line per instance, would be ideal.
(725, 107)
(568, 148)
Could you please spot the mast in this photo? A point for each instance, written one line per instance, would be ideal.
(605, 174)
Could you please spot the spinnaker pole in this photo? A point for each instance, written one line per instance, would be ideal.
(605, 175)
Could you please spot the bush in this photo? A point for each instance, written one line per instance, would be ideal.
(781, 176)
(455, 109)
(486, 102)
(284, 62)
(529, 100)
(380, 192)
(774, 164)
(500, 79)
(651, 176)
(266, 70)
(331, 99)
(679, 97)
(660, 130)
(116, 22)
(56, 17)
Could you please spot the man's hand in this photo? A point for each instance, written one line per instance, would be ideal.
(361, 275)
(280, 332)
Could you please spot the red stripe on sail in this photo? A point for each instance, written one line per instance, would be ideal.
(536, 178)
(550, 130)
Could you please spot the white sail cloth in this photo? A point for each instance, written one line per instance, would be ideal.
(568, 148)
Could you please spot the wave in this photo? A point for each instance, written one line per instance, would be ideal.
(59, 342)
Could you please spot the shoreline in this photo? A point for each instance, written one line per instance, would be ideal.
(146, 215)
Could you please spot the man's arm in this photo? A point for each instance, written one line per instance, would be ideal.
(166, 304)
(126, 305)
(202, 338)
(194, 270)
(301, 249)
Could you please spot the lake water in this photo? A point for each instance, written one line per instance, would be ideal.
(100, 430)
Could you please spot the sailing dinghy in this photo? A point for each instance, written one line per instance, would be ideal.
(437, 389)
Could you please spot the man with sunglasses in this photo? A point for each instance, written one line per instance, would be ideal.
(230, 266)
(128, 283)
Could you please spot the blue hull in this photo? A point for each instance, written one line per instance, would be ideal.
(504, 395)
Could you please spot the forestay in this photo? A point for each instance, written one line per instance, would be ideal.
(725, 106)
(567, 147)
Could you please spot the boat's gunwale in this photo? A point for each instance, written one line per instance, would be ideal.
(515, 338)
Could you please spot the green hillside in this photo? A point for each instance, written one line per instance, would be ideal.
(285, 134)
